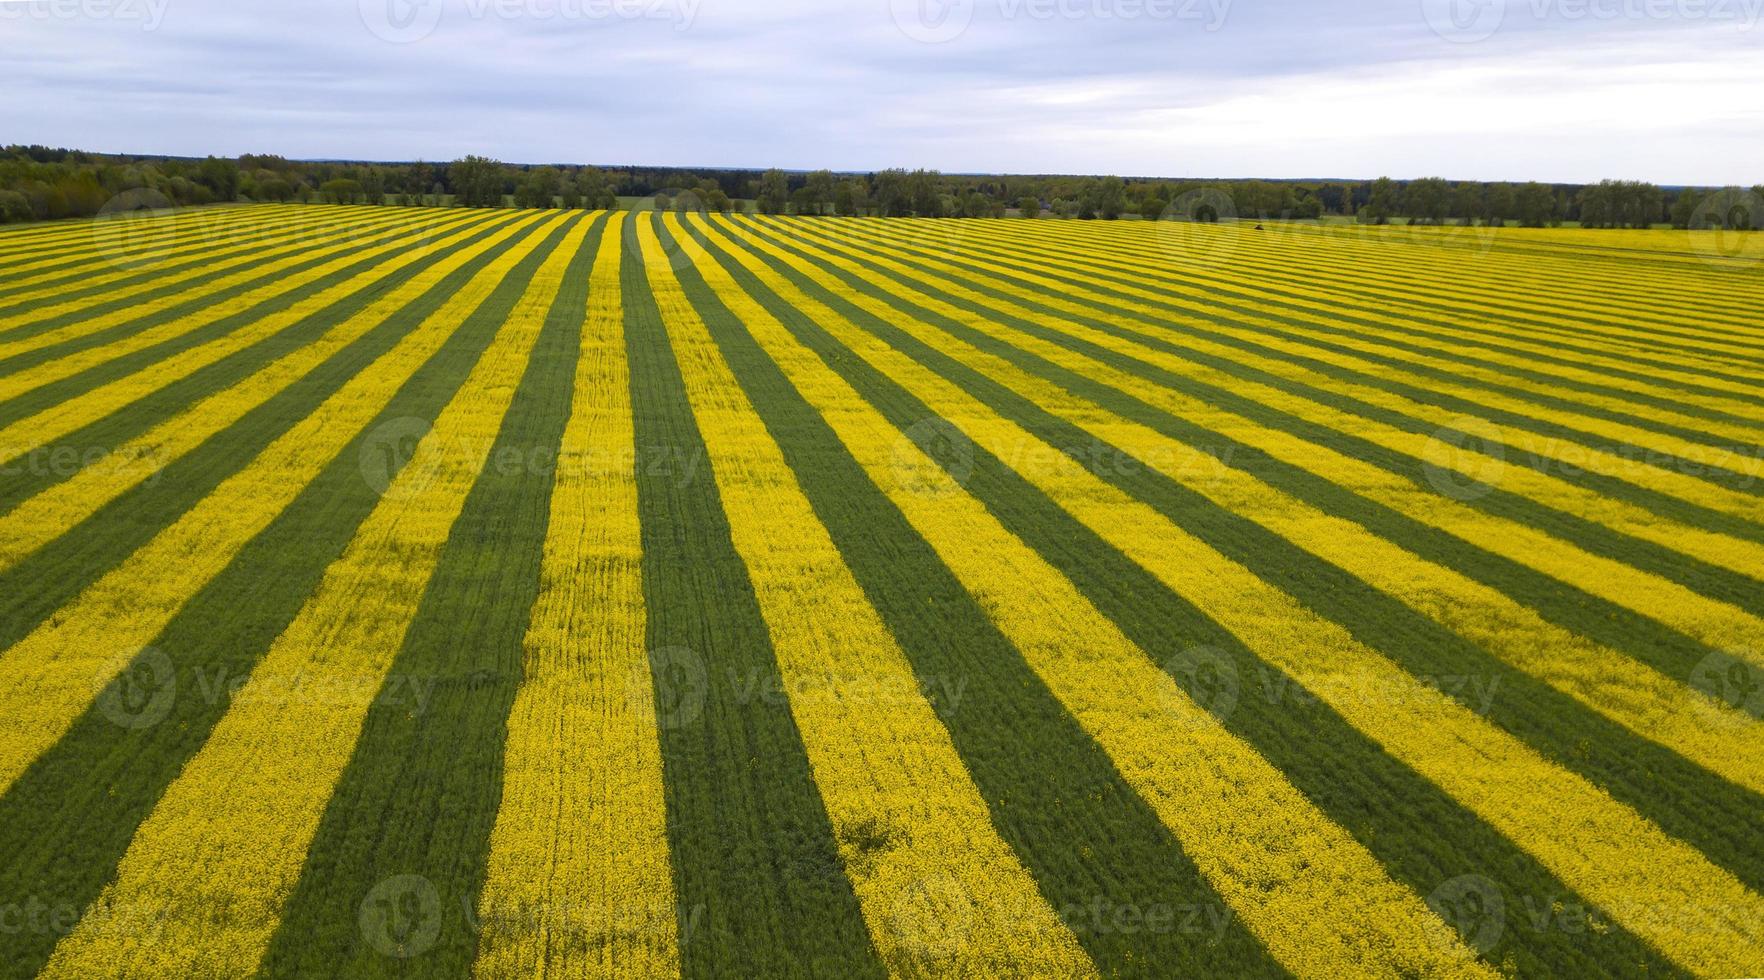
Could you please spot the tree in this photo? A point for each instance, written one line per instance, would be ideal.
(220, 176)
(819, 191)
(1109, 198)
(774, 192)
(341, 191)
(926, 189)
(1426, 200)
(477, 182)
(1030, 206)
(275, 189)
(1468, 202)
(1684, 207)
(1383, 203)
(845, 199)
(1534, 205)
(596, 193)
(893, 195)
(14, 207)
(1498, 205)
(373, 187)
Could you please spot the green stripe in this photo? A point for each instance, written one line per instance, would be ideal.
(80, 246)
(420, 793)
(195, 304)
(759, 883)
(1711, 580)
(1571, 608)
(1087, 838)
(1423, 837)
(61, 459)
(193, 253)
(1416, 302)
(66, 823)
(1683, 798)
(1097, 296)
(65, 389)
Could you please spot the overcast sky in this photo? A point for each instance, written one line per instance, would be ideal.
(1566, 90)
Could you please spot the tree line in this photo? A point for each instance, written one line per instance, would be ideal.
(39, 183)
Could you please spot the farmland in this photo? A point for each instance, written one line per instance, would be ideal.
(397, 592)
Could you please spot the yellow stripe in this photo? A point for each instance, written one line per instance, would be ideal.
(47, 678)
(1145, 320)
(27, 434)
(1535, 286)
(332, 240)
(1104, 254)
(51, 513)
(884, 766)
(1722, 739)
(223, 848)
(209, 245)
(580, 883)
(1601, 848)
(1717, 624)
(96, 238)
(1323, 905)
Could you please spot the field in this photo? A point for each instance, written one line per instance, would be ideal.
(401, 592)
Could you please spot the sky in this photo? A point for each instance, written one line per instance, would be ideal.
(1555, 90)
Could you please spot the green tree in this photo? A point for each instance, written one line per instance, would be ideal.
(221, 177)
(1382, 205)
(819, 191)
(1030, 206)
(1534, 205)
(477, 182)
(774, 192)
(1427, 200)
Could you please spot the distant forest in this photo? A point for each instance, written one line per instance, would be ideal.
(40, 183)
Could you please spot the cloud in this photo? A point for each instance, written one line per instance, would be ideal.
(1560, 89)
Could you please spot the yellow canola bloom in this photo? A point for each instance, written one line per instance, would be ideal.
(210, 246)
(1147, 321)
(213, 864)
(1322, 904)
(50, 676)
(52, 512)
(92, 241)
(1718, 624)
(1604, 850)
(1600, 301)
(1603, 301)
(1718, 737)
(1108, 255)
(943, 895)
(68, 365)
(301, 245)
(579, 881)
